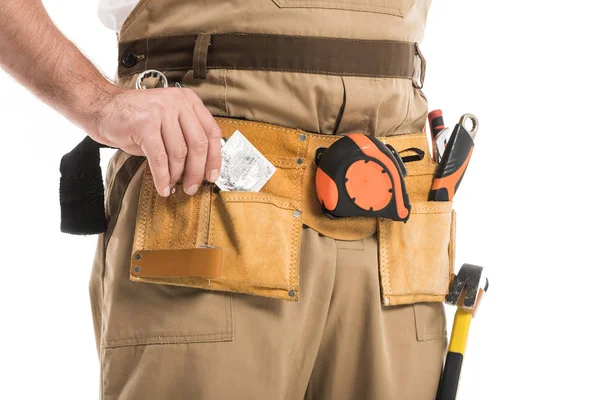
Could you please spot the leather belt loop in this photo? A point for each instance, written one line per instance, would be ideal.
(419, 81)
(201, 55)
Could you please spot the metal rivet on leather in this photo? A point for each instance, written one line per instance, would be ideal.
(299, 161)
(297, 214)
(137, 269)
(302, 137)
(129, 60)
(387, 301)
(138, 256)
(292, 293)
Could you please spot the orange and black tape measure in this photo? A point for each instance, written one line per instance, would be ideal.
(358, 175)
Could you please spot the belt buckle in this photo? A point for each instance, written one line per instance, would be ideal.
(419, 74)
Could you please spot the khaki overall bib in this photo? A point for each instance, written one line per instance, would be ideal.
(305, 307)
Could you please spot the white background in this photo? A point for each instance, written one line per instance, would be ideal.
(527, 207)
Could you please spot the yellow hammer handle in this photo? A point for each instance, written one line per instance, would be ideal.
(460, 331)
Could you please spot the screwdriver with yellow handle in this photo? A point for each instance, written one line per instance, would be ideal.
(466, 291)
(455, 160)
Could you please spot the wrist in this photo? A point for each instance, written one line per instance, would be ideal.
(90, 110)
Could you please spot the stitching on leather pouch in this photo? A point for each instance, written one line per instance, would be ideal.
(211, 234)
(443, 209)
(384, 258)
(197, 215)
(331, 138)
(292, 273)
(284, 162)
(206, 216)
(419, 171)
(291, 266)
(172, 203)
(285, 206)
(153, 211)
(144, 214)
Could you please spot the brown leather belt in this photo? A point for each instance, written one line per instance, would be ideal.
(318, 55)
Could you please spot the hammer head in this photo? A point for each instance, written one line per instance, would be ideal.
(467, 288)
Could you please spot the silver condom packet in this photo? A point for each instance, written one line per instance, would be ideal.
(244, 168)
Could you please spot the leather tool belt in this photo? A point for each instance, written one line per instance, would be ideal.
(249, 242)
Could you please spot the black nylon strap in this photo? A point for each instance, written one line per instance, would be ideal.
(81, 190)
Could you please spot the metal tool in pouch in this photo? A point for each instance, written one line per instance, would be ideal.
(244, 167)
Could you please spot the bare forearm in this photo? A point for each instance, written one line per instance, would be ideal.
(38, 55)
(170, 126)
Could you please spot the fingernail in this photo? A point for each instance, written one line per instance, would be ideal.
(192, 189)
(214, 175)
(167, 191)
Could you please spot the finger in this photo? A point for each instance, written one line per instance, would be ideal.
(155, 152)
(213, 135)
(133, 149)
(175, 145)
(197, 150)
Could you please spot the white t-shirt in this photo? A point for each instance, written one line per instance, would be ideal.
(113, 13)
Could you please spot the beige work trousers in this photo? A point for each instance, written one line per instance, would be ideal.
(337, 342)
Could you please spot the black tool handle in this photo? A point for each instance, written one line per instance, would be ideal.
(450, 377)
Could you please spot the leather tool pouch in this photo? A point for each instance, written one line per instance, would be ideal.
(416, 259)
(253, 239)
(254, 236)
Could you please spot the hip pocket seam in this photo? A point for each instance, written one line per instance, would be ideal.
(147, 340)
(433, 334)
(398, 11)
